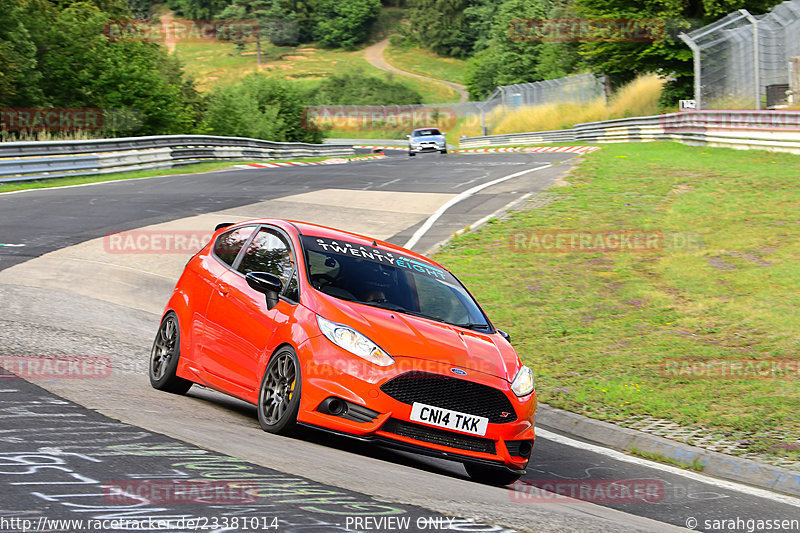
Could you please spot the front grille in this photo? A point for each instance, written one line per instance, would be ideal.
(439, 436)
(451, 393)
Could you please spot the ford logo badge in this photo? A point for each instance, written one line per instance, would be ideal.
(458, 372)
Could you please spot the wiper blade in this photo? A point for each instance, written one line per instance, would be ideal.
(473, 326)
(399, 308)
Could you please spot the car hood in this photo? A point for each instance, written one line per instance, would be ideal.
(402, 335)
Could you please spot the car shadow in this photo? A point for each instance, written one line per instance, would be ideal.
(248, 414)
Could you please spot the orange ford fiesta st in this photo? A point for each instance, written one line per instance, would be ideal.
(328, 329)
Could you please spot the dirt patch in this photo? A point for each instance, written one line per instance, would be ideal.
(681, 189)
(719, 264)
(751, 258)
(292, 58)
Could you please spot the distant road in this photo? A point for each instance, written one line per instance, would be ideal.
(374, 55)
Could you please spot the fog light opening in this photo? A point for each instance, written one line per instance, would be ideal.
(333, 406)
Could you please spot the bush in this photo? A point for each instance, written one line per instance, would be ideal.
(261, 108)
(354, 88)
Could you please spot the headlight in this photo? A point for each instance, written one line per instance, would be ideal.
(523, 382)
(354, 342)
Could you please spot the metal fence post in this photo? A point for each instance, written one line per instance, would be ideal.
(698, 94)
(756, 76)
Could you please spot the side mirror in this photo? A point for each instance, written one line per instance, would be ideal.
(223, 225)
(267, 284)
(408, 137)
(505, 335)
(443, 134)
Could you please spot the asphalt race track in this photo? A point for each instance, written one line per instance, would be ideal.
(66, 444)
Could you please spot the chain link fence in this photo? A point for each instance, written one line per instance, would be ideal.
(743, 61)
(580, 88)
(396, 121)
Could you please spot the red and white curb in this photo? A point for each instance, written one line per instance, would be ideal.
(384, 147)
(335, 161)
(536, 149)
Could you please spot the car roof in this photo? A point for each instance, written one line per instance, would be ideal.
(428, 128)
(316, 230)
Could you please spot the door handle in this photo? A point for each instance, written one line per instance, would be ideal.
(223, 290)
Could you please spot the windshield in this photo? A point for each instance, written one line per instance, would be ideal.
(380, 278)
(425, 133)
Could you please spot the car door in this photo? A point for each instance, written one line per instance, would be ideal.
(240, 328)
(200, 281)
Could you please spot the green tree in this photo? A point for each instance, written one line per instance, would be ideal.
(275, 23)
(442, 26)
(508, 59)
(197, 9)
(345, 23)
(621, 61)
(19, 74)
(260, 108)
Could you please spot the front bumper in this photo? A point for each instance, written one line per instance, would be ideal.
(427, 147)
(329, 372)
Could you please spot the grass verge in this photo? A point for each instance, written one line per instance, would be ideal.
(195, 168)
(702, 331)
(425, 63)
(695, 465)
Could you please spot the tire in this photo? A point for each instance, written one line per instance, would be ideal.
(442, 151)
(491, 476)
(411, 154)
(279, 394)
(164, 357)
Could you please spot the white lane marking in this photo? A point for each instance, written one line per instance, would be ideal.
(11, 245)
(619, 456)
(466, 194)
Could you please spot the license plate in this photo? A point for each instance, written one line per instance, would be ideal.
(445, 418)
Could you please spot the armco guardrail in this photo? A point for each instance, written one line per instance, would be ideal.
(21, 161)
(768, 130)
(537, 137)
(368, 142)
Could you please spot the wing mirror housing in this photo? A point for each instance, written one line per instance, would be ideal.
(505, 335)
(268, 284)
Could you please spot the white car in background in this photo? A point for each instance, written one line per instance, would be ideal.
(426, 140)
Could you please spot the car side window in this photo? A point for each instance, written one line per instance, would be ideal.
(269, 252)
(228, 245)
(292, 289)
